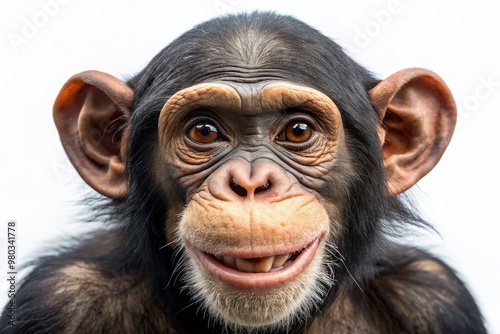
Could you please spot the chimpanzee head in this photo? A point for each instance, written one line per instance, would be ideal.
(257, 162)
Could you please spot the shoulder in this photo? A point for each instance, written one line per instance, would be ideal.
(424, 293)
(408, 290)
(68, 295)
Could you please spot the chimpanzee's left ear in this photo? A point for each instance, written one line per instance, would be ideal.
(418, 116)
(91, 113)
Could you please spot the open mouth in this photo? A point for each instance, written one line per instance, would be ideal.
(258, 265)
(258, 273)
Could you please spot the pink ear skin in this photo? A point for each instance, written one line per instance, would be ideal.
(418, 116)
(91, 113)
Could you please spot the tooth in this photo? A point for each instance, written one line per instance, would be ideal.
(280, 260)
(229, 261)
(264, 265)
(244, 265)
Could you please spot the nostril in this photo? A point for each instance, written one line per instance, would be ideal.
(243, 192)
(239, 190)
(262, 188)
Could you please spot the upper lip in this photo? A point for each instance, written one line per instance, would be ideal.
(254, 252)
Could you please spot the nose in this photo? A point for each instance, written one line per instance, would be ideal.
(240, 180)
(249, 186)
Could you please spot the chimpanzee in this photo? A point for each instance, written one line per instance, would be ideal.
(256, 176)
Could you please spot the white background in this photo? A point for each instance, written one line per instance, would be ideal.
(42, 43)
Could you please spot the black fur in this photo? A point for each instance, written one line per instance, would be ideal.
(127, 290)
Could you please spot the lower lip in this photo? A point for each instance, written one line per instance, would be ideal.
(258, 281)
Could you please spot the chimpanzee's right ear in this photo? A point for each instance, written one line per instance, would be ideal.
(91, 114)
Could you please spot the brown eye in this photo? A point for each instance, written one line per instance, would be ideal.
(297, 132)
(204, 133)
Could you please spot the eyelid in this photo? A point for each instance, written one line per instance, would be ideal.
(301, 115)
(202, 120)
(203, 115)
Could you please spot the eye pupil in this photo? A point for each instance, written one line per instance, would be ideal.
(299, 129)
(206, 130)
